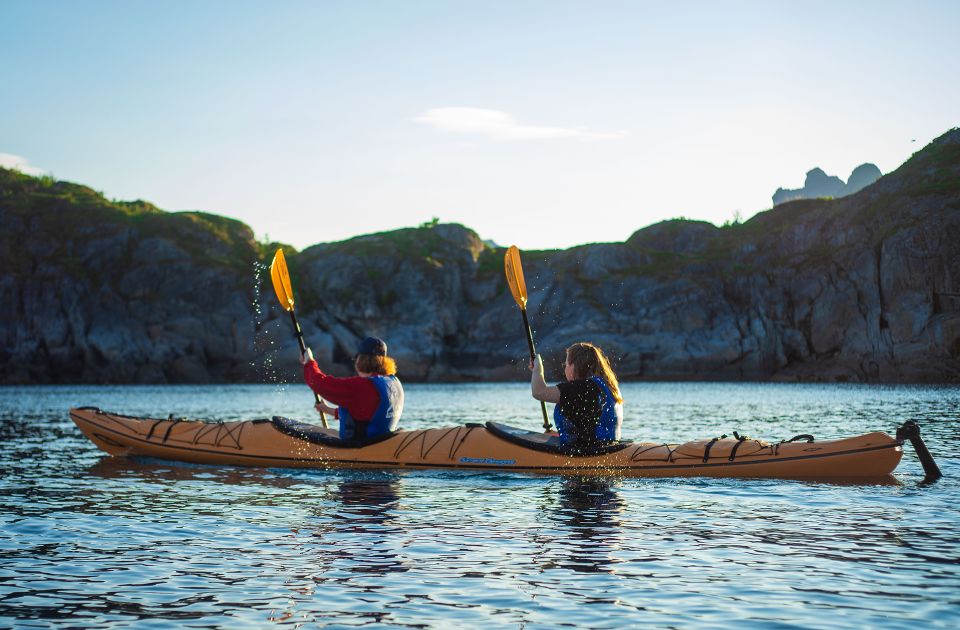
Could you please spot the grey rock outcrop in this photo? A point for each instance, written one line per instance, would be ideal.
(819, 184)
(861, 177)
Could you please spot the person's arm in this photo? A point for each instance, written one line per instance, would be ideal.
(330, 387)
(356, 393)
(538, 386)
(311, 372)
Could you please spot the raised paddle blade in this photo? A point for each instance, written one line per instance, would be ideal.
(284, 290)
(281, 280)
(514, 271)
(518, 287)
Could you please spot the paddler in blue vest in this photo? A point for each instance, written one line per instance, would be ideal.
(369, 404)
(589, 407)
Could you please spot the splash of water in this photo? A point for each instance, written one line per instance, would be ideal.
(266, 349)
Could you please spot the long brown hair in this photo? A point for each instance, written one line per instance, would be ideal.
(588, 360)
(375, 364)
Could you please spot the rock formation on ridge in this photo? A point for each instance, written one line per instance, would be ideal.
(819, 184)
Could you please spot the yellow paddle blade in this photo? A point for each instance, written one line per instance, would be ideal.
(514, 271)
(281, 280)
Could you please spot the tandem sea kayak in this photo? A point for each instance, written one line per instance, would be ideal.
(280, 442)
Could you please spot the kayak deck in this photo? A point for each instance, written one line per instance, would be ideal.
(279, 442)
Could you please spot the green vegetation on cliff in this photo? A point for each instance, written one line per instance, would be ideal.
(56, 212)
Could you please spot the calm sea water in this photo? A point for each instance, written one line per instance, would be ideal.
(90, 541)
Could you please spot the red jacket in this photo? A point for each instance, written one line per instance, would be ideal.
(356, 393)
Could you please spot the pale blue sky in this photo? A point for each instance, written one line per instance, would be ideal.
(545, 124)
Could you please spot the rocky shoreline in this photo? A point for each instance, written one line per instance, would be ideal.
(865, 288)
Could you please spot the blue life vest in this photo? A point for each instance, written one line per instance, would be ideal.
(608, 425)
(385, 418)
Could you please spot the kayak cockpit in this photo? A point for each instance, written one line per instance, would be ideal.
(548, 443)
(319, 435)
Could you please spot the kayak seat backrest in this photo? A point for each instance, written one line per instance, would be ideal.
(319, 435)
(550, 443)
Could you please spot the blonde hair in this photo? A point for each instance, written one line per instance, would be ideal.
(375, 364)
(588, 360)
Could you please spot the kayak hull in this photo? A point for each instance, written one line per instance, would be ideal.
(478, 447)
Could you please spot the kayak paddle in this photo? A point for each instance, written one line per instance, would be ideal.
(284, 291)
(518, 287)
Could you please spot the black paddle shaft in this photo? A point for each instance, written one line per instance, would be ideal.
(303, 348)
(297, 331)
(533, 354)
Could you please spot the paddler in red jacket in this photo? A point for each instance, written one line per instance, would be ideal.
(369, 404)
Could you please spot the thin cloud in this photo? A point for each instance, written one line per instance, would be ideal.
(17, 163)
(501, 125)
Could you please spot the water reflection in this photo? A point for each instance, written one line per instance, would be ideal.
(367, 503)
(148, 469)
(588, 510)
(348, 540)
(358, 518)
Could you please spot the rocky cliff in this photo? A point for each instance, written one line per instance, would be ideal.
(97, 291)
(863, 288)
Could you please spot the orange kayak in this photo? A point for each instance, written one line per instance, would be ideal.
(280, 442)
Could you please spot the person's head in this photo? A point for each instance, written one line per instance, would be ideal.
(371, 358)
(585, 360)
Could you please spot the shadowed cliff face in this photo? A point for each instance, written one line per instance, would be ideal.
(93, 291)
(866, 287)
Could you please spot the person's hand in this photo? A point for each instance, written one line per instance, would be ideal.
(306, 357)
(322, 407)
(536, 364)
